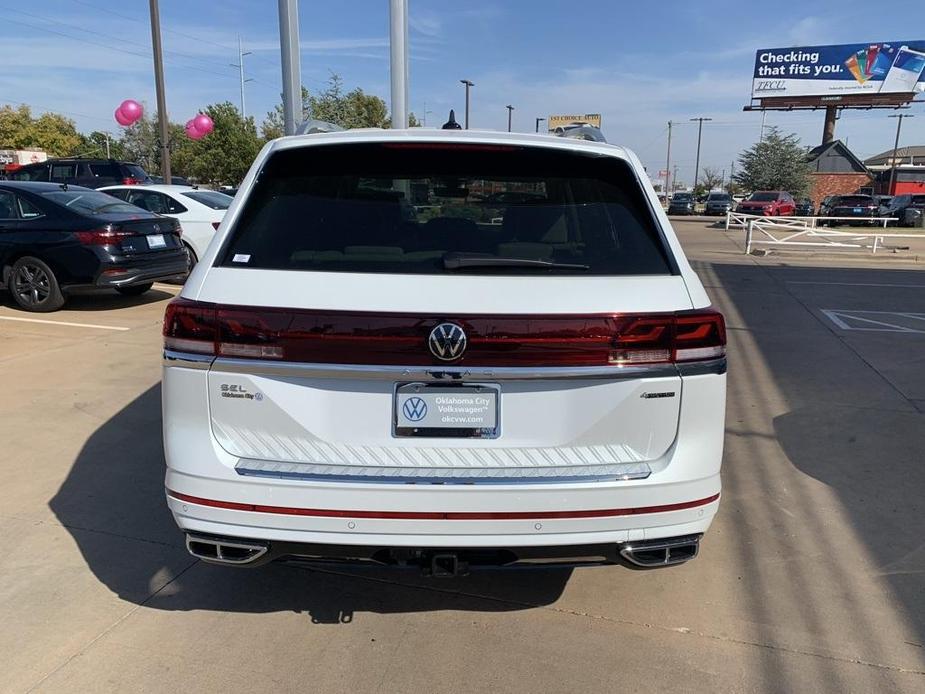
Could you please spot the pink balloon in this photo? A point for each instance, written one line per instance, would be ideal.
(191, 131)
(121, 119)
(203, 124)
(131, 109)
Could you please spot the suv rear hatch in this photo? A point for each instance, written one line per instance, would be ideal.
(375, 313)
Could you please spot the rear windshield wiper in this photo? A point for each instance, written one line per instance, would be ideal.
(458, 261)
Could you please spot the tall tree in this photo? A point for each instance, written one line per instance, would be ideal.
(52, 132)
(94, 145)
(777, 162)
(225, 155)
(711, 178)
(141, 144)
(353, 109)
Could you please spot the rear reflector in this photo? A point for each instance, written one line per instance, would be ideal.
(375, 339)
(216, 225)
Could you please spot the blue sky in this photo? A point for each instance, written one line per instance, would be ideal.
(639, 64)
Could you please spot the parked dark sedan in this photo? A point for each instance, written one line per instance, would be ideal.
(858, 209)
(909, 210)
(681, 203)
(718, 203)
(56, 238)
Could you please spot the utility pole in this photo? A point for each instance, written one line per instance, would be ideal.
(468, 83)
(510, 110)
(764, 115)
(398, 42)
(668, 164)
(674, 178)
(899, 125)
(163, 125)
(107, 145)
(699, 134)
(240, 66)
(538, 123)
(291, 65)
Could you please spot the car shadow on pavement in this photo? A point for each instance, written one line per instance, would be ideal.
(97, 300)
(112, 503)
(823, 474)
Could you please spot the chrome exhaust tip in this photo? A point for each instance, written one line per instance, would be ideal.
(223, 550)
(661, 552)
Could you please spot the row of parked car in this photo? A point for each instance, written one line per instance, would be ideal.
(56, 238)
(906, 210)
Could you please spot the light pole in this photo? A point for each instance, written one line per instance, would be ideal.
(240, 66)
(398, 52)
(290, 63)
(899, 125)
(163, 124)
(668, 163)
(468, 83)
(538, 123)
(697, 161)
(510, 110)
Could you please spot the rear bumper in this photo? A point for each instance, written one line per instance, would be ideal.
(126, 273)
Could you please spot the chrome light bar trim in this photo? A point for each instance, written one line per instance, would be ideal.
(266, 367)
(187, 360)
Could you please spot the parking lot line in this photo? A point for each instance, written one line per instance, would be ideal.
(859, 284)
(61, 322)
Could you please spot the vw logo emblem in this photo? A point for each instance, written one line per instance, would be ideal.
(414, 409)
(447, 341)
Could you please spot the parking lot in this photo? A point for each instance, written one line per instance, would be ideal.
(811, 579)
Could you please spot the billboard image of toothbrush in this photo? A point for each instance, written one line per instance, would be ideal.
(897, 67)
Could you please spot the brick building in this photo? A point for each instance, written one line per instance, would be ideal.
(835, 170)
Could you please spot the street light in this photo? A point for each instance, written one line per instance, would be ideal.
(468, 83)
(697, 162)
(538, 123)
(510, 110)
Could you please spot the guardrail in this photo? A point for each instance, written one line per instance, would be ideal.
(741, 220)
(768, 231)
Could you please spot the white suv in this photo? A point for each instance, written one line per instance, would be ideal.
(444, 348)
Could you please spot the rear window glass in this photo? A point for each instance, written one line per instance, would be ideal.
(89, 201)
(210, 198)
(433, 208)
(33, 173)
(918, 200)
(719, 197)
(763, 197)
(855, 200)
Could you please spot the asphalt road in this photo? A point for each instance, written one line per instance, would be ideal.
(811, 579)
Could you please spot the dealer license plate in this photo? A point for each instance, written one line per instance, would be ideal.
(463, 411)
(156, 241)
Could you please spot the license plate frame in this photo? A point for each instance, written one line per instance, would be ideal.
(402, 427)
(156, 241)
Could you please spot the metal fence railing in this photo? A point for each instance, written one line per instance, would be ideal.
(741, 220)
(773, 231)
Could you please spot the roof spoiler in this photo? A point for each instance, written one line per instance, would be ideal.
(312, 127)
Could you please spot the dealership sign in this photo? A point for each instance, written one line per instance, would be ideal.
(554, 122)
(832, 71)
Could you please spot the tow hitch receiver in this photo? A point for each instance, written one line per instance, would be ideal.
(445, 565)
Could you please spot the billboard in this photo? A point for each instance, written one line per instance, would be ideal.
(865, 69)
(553, 122)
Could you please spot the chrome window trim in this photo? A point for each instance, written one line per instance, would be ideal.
(263, 367)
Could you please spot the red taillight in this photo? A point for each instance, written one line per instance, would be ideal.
(401, 339)
(130, 181)
(102, 237)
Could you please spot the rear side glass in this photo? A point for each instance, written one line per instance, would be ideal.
(104, 171)
(134, 171)
(32, 173)
(27, 210)
(7, 205)
(406, 208)
(62, 172)
(210, 198)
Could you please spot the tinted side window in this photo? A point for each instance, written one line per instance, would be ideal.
(104, 171)
(7, 205)
(63, 172)
(31, 173)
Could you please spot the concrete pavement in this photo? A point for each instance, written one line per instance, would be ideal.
(811, 579)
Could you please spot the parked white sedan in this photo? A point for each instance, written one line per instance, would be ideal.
(198, 211)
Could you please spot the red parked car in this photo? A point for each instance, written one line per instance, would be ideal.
(771, 203)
